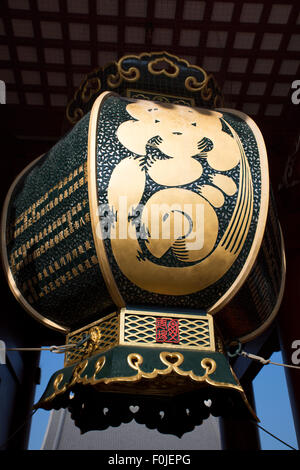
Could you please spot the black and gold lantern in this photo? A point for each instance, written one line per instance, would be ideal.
(148, 236)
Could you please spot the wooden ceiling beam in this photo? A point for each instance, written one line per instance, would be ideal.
(207, 24)
(230, 41)
(93, 33)
(12, 50)
(139, 48)
(67, 47)
(255, 52)
(282, 50)
(40, 50)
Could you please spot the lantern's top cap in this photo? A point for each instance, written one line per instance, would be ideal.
(158, 76)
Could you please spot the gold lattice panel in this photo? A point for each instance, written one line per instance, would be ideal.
(139, 328)
(109, 329)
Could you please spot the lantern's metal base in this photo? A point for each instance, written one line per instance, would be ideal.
(188, 330)
(136, 376)
(163, 389)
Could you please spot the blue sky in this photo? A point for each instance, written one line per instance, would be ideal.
(273, 406)
(271, 397)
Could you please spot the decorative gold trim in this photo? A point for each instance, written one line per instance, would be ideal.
(181, 100)
(211, 332)
(262, 218)
(78, 370)
(9, 276)
(122, 326)
(114, 80)
(131, 75)
(121, 74)
(78, 111)
(93, 200)
(135, 360)
(193, 85)
(99, 365)
(172, 360)
(88, 91)
(56, 384)
(274, 312)
(74, 379)
(163, 71)
(151, 54)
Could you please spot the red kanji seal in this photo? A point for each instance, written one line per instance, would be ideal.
(167, 330)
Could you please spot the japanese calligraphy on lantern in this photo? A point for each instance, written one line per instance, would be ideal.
(167, 330)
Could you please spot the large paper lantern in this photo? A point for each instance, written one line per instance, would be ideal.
(149, 237)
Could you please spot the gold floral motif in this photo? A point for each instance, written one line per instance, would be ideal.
(95, 334)
(93, 341)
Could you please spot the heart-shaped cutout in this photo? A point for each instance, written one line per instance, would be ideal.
(207, 403)
(134, 408)
(172, 359)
